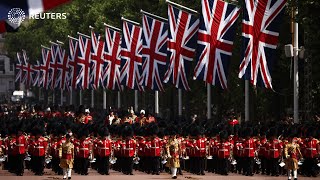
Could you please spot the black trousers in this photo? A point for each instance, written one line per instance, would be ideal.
(249, 162)
(263, 164)
(310, 167)
(127, 165)
(38, 164)
(193, 168)
(274, 168)
(103, 165)
(83, 166)
(20, 163)
(155, 164)
(223, 168)
(200, 164)
(55, 162)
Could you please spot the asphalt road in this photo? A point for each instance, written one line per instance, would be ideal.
(49, 175)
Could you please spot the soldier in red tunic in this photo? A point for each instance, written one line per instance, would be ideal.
(249, 152)
(104, 150)
(312, 150)
(83, 151)
(39, 150)
(129, 150)
(20, 148)
(155, 149)
(200, 147)
(224, 149)
(275, 151)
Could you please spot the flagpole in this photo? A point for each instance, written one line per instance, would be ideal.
(92, 98)
(208, 101)
(133, 22)
(119, 100)
(136, 101)
(104, 99)
(61, 97)
(179, 102)
(183, 7)
(112, 27)
(156, 103)
(83, 35)
(153, 15)
(80, 94)
(246, 94)
(71, 98)
(295, 68)
(53, 98)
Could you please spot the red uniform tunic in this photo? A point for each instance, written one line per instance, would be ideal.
(104, 147)
(39, 146)
(155, 147)
(83, 148)
(311, 148)
(224, 150)
(200, 147)
(129, 148)
(275, 149)
(141, 147)
(262, 147)
(249, 147)
(21, 144)
(54, 150)
(147, 150)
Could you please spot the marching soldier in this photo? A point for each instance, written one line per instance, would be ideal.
(104, 150)
(224, 149)
(312, 147)
(129, 150)
(249, 152)
(155, 151)
(173, 151)
(83, 152)
(200, 145)
(21, 145)
(292, 154)
(66, 154)
(39, 151)
(275, 151)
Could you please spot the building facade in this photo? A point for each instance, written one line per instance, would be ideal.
(7, 75)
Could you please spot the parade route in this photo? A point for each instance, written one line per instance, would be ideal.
(139, 176)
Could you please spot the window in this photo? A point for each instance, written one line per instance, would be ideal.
(2, 65)
(11, 66)
(11, 84)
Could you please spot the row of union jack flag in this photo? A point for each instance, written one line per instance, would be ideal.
(162, 50)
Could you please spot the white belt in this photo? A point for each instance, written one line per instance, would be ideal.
(39, 147)
(248, 148)
(311, 148)
(20, 145)
(155, 147)
(223, 149)
(128, 149)
(273, 149)
(84, 149)
(104, 148)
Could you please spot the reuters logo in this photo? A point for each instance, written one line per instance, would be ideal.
(16, 16)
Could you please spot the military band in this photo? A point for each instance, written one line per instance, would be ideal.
(79, 141)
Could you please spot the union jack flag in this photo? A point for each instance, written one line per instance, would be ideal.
(63, 68)
(27, 69)
(55, 78)
(215, 41)
(44, 68)
(72, 63)
(131, 57)
(83, 61)
(35, 74)
(183, 28)
(19, 68)
(260, 31)
(97, 60)
(111, 72)
(154, 52)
